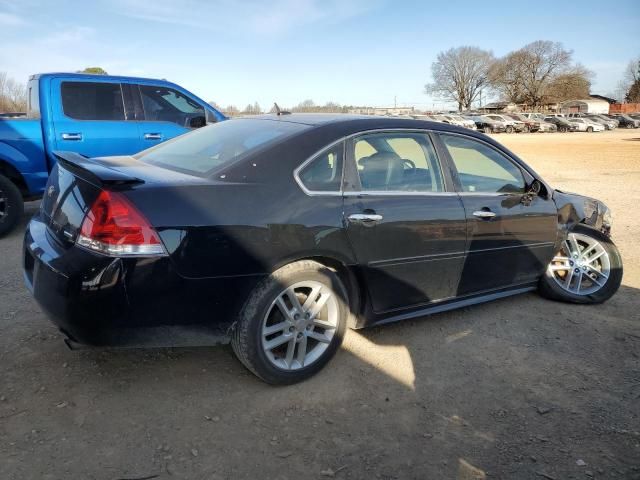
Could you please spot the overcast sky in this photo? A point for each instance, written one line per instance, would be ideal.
(359, 52)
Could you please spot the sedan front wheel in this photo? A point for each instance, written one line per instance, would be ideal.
(587, 269)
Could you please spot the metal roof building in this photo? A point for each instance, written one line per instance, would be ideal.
(587, 105)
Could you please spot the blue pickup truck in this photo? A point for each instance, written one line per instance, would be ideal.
(94, 115)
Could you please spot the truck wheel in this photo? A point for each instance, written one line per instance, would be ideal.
(11, 205)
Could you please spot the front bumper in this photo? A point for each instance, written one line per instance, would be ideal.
(98, 300)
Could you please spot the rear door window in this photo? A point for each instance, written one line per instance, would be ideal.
(92, 100)
(397, 162)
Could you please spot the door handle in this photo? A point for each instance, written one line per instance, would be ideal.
(365, 218)
(153, 136)
(72, 136)
(484, 214)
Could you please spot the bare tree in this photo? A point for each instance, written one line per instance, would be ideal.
(506, 77)
(459, 74)
(13, 95)
(543, 61)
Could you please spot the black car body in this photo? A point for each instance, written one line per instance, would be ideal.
(562, 124)
(208, 237)
(625, 121)
(486, 125)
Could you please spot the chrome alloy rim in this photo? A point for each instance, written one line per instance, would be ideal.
(300, 325)
(582, 265)
(3, 204)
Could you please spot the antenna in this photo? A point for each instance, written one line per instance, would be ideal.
(279, 111)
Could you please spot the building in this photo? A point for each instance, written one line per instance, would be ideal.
(592, 104)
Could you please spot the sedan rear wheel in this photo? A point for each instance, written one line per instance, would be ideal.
(292, 324)
(587, 269)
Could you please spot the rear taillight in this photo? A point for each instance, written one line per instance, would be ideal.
(115, 227)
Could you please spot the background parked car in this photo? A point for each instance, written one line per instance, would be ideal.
(531, 125)
(561, 124)
(545, 124)
(585, 125)
(511, 125)
(487, 125)
(607, 124)
(627, 122)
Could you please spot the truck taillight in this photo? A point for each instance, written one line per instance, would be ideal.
(113, 226)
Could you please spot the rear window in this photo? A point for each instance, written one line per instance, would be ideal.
(92, 101)
(206, 150)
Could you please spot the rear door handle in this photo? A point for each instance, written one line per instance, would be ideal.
(72, 136)
(484, 214)
(153, 136)
(365, 218)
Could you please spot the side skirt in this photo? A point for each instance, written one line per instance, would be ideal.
(454, 304)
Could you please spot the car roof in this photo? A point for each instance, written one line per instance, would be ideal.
(373, 122)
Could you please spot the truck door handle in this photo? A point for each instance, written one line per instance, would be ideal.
(153, 136)
(484, 214)
(72, 136)
(365, 218)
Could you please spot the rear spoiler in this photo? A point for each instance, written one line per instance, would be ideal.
(93, 171)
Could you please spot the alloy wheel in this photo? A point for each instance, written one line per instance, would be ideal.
(582, 265)
(300, 325)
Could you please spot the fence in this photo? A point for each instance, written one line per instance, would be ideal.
(624, 107)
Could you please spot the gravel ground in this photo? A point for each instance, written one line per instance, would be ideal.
(522, 388)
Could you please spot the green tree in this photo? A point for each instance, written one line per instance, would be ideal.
(94, 71)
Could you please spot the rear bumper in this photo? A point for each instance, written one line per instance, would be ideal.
(102, 301)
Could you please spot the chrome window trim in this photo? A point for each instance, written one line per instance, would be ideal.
(344, 139)
(315, 193)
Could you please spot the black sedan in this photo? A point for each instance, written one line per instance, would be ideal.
(276, 233)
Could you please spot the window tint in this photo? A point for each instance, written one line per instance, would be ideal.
(481, 168)
(209, 149)
(324, 173)
(404, 162)
(169, 105)
(92, 101)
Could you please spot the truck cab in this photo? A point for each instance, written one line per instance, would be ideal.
(93, 115)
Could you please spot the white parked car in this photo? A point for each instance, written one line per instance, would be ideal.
(585, 125)
(465, 122)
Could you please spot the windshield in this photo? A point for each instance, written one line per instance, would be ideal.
(206, 150)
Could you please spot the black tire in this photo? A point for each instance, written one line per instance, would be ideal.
(549, 288)
(563, 129)
(487, 130)
(589, 129)
(11, 205)
(526, 129)
(630, 125)
(509, 129)
(246, 337)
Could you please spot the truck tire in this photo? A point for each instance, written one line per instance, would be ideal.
(11, 205)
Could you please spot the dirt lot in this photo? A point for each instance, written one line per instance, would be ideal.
(523, 388)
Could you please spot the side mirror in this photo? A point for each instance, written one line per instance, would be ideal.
(197, 122)
(535, 188)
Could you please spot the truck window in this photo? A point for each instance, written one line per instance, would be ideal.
(92, 101)
(168, 105)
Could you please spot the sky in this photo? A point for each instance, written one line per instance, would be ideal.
(353, 52)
